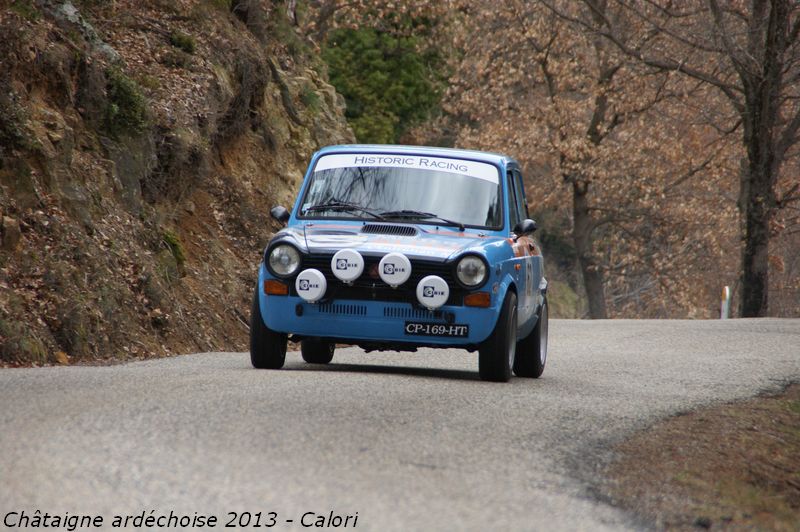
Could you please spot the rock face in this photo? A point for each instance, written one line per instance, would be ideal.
(142, 145)
(11, 234)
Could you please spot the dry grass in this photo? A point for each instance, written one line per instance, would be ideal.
(735, 466)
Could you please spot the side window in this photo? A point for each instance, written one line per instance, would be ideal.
(520, 192)
(513, 204)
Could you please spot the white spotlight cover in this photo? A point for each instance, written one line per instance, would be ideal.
(432, 292)
(311, 285)
(394, 269)
(347, 265)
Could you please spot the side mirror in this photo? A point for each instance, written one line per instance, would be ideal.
(280, 213)
(525, 227)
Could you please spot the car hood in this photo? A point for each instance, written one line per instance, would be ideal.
(428, 242)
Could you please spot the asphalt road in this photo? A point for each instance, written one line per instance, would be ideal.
(409, 441)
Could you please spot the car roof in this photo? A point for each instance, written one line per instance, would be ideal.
(430, 151)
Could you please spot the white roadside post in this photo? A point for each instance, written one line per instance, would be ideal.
(725, 304)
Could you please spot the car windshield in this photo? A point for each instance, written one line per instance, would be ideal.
(433, 190)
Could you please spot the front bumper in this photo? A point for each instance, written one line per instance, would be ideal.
(371, 321)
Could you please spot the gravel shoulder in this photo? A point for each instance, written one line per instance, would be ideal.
(409, 441)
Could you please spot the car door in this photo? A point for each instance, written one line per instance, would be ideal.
(530, 257)
(521, 277)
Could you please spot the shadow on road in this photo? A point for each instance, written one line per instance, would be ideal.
(436, 373)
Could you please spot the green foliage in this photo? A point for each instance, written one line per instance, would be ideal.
(126, 111)
(73, 330)
(26, 10)
(13, 120)
(221, 4)
(176, 59)
(310, 98)
(175, 246)
(283, 31)
(20, 343)
(149, 82)
(183, 41)
(389, 84)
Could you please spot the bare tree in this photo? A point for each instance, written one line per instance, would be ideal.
(748, 51)
(575, 108)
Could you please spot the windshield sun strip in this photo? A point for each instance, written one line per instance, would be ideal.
(297, 210)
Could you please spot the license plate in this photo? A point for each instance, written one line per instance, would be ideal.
(454, 330)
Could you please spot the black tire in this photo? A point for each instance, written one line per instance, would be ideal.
(532, 350)
(316, 351)
(267, 347)
(496, 353)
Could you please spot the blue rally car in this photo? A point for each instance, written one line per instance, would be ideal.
(400, 247)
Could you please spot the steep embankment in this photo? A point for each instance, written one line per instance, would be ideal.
(141, 146)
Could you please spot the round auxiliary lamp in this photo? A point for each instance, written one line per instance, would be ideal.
(347, 265)
(311, 285)
(432, 292)
(394, 269)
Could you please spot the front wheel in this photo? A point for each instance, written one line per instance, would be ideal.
(496, 353)
(267, 347)
(317, 351)
(532, 350)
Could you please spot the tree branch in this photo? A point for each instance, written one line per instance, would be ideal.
(691, 172)
(788, 197)
(733, 92)
(788, 137)
(730, 48)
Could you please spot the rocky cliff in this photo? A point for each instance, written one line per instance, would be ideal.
(142, 144)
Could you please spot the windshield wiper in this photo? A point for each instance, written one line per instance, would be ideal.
(405, 213)
(343, 206)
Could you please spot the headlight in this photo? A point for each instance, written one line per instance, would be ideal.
(471, 271)
(284, 260)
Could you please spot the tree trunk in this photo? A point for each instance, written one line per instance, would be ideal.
(756, 201)
(761, 112)
(582, 237)
(755, 266)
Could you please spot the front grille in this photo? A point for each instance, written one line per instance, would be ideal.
(369, 288)
(408, 312)
(337, 308)
(388, 229)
